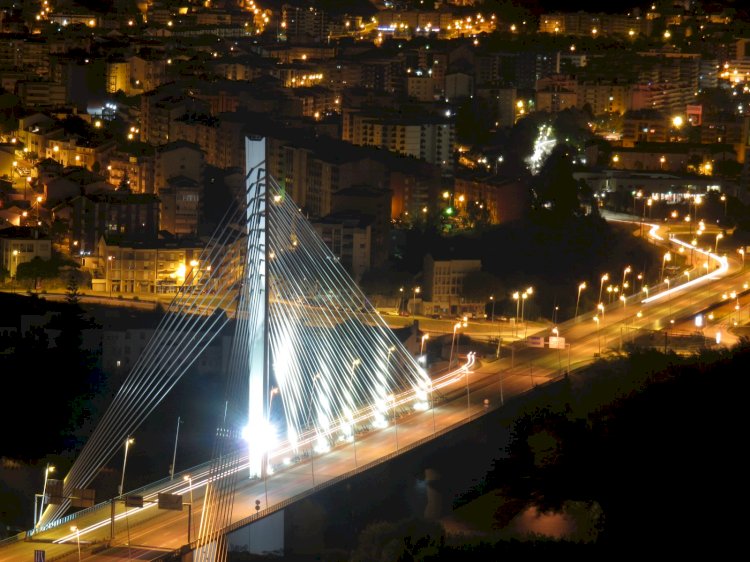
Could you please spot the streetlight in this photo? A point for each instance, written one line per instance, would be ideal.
(109, 268)
(456, 326)
(492, 298)
(421, 347)
(740, 251)
(77, 531)
(667, 257)
(47, 471)
(189, 479)
(724, 200)
(516, 297)
(128, 442)
(624, 274)
(414, 299)
(600, 308)
(526, 294)
(605, 277)
(581, 287)
(719, 236)
(14, 273)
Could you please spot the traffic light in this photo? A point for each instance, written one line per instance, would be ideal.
(257, 505)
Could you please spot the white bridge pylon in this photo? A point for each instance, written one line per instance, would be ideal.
(318, 351)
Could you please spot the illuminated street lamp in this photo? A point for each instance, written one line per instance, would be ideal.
(456, 326)
(128, 442)
(47, 472)
(77, 531)
(189, 479)
(109, 268)
(741, 251)
(516, 297)
(421, 347)
(719, 236)
(581, 287)
(15, 269)
(492, 298)
(724, 200)
(605, 277)
(667, 257)
(624, 274)
(414, 299)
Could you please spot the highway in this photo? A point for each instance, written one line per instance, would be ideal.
(476, 387)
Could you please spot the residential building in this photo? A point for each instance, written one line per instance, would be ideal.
(119, 213)
(442, 286)
(147, 267)
(181, 200)
(506, 199)
(428, 137)
(349, 237)
(178, 158)
(21, 244)
(374, 207)
(39, 93)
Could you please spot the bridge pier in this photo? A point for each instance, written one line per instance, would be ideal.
(436, 505)
(265, 536)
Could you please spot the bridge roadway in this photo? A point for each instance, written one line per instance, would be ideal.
(479, 386)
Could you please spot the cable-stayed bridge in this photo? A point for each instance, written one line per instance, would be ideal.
(312, 364)
(322, 386)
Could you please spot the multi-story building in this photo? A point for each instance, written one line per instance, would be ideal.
(181, 200)
(27, 53)
(312, 170)
(302, 25)
(219, 137)
(88, 152)
(159, 111)
(114, 213)
(348, 235)
(594, 24)
(501, 101)
(428, 137)
(36, 131)
(506, 200)
(41, 93)
(147, 72)
(149, 267)
(370, 202)
(442, 286)
(603, 96)
(117, 76)
(556, 93)
(646, 125)
(670, 98)
(134, 165)
(21, 244)
(420, 86)
(178, 159)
